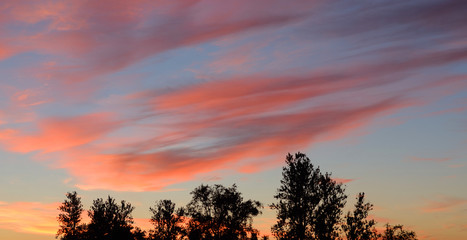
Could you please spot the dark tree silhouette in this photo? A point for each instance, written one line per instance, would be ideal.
(309, 207)
(219, 212)
(357, 226)
(70, 218)
(167, 221)
(255, 236)
(310, 203)
(139, 234)
(110, 221)
(397, 232)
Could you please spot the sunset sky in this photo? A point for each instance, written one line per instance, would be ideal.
(145, 100)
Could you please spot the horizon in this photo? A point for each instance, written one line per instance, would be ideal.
(146, 100)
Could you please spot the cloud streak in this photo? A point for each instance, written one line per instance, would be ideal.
(215, 143)
(99, 41)
(418, 159)
(56, 134)
(29, 217)
(444, 204)
(243, 121)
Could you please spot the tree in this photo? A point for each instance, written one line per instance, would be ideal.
(110, 221)
(139, 234)
(310, 203)
(219, 212)
(70, 218)
(167, 221)
(397, 232)
(356, 226)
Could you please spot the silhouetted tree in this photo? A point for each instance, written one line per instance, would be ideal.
(110, 221)
(220, 213)
(254, 235)
(70, 218)
(397, 232)
(139, 234)
(167, 221)
(310, 203)
(357, 226)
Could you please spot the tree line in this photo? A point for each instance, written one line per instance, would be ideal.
(309, 207)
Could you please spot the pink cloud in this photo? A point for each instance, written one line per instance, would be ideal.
(455, 226)
(460, 165)
(343, 180)
(139, 171)
(444, 204)
(29, 217)
(245, 124)
(19, 105)
(418, 159)
(446, 111)
(104, 37)
(27, 98)
(5, 51)
(381, 220)
(239, 123)
(205, 127)
(57, 134)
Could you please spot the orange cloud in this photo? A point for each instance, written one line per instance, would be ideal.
(245, 124)
(57, 134)
(135, 170)
(239, 123)
(444, 204)
(30, 217)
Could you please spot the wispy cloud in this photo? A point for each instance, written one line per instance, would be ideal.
(244, 120)
(460, 165)
(30, 217)
(102, 42)
(343, 180)
(57, 134)
(419, 159)
(444, 204)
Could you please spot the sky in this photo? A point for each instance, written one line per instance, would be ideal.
(146, 100)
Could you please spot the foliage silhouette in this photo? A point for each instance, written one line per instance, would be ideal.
(397, 232)
(356, 226)
(310, 207)
(70, 217)
(219, 212)
(109, 220)
(167, 221)
(139, 234)
(310, 202)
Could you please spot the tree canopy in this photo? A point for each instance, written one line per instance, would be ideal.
(167, 221)
(309, 206)
(398, 232)
(70, 217)
(357, 226)
(310, 202)
(110, 220)
(219, 212)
